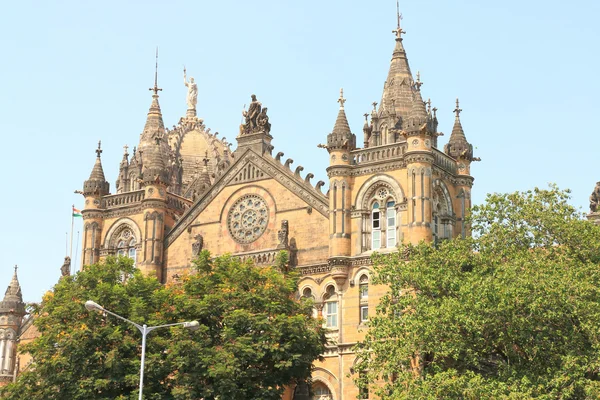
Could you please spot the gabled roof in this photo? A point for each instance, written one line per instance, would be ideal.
(264, 167)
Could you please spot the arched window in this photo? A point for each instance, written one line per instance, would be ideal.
(390, 212)
(443, 216)
(126, 245)
(375, 227)
(307, 294)
(363, 298)
(331, 308)
(321, 392)
(383, 224)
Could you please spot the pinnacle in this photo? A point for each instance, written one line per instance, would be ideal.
(341, 123)
(13, 298)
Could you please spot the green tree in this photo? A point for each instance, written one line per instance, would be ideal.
(254, 336)
(511, 313)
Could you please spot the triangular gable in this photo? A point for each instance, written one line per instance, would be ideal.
(248, 168)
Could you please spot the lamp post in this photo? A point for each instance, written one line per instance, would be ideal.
(144, 329)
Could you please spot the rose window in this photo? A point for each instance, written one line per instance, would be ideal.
(248, 218)
(382, 193)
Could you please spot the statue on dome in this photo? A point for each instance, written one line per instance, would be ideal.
(192, 94)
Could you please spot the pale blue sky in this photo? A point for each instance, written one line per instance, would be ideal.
(74, 72)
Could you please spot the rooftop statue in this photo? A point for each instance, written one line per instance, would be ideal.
(192, 94)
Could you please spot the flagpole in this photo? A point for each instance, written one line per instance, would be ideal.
(72, 224)
(76, 250)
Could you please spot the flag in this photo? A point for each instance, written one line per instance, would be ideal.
(77, 213)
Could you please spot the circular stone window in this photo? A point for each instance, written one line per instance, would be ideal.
(248, 218)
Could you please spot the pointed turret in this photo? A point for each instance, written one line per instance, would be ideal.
(154, 169)
(123, 181)
(418, 113)
(97, 183)
(341, 137)
(13, 298)
(457, 146)
(154, 120)
(397, 97)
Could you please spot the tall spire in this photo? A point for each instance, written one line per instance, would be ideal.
(13, 298)
(97, 184)
(154, 121)
(397, 98)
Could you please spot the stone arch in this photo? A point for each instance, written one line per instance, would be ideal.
(117, 228)
(359, 273)
(372, 184)
(441, 197)
(327, 378)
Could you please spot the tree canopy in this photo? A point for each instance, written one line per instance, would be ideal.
(254, 336)
(510, 313)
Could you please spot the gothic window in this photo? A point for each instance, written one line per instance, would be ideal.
(307, 294)
(363, 297)
(381, 228)
(331, 308)
(126, 244)
(321, 392)
(391, 223)
(375, 227)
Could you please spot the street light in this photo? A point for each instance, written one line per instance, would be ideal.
(144, 329)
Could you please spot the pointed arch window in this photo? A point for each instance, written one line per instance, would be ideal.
(126, 245)
(390, 212)
(331, 308)
(321, 392)
(363, 298)
(375, 227)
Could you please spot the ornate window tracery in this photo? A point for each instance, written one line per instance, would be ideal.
(321, 392)
(126, 245)
(248, 218)
(380, 226)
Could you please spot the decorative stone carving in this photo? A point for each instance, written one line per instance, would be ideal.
(595, 198)
(65, 270)
(251, 124)
(197, 245)
(282, 235)
(256, 119)
(263, 121)
(248, 218)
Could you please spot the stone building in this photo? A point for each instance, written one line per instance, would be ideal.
(182, 190)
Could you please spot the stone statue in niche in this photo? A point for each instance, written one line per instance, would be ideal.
(595, 198)
(65, 270)
(282, 235)
(197, 245)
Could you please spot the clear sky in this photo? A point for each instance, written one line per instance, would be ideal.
(74, 72)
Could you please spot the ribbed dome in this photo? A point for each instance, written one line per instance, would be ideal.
(192, 142)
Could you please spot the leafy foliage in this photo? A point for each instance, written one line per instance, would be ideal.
(254, 336)
(512, 313)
